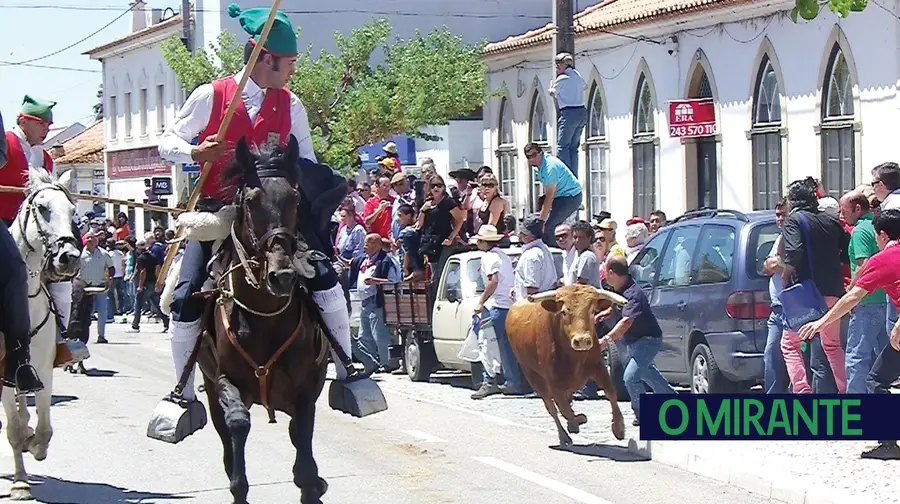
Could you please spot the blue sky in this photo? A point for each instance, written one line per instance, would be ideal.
(31, 31)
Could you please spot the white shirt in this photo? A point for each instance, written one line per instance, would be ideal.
(118, 261)
(192, 119)
(569, 88)
(496, 262)
(33, 153)
(535, 269)
(891, 201)
(568, 265)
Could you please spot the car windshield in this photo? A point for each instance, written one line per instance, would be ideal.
(762, 238)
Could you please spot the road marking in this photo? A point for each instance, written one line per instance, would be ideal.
(424, 436)
(548, 483)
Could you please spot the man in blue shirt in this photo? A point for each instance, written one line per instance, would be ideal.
(640, 331)
(562, 191)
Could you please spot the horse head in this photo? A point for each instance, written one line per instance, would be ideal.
(44, 223)
(266, 220)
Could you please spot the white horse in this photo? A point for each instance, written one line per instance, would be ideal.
(43, 232)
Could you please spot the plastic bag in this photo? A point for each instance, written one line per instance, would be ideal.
(487, 344)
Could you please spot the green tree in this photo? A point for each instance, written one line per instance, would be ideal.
(425, 80)
(98, 107)
(809, 9)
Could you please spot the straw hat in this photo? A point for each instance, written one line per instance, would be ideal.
(390, 147)
(487, 233)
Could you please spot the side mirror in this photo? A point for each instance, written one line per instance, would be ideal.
(453, 296)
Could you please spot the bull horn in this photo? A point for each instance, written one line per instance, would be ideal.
(541, 296)
(611, 296)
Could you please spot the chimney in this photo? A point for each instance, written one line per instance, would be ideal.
(57, 151)
(138, 16)
(155, 16)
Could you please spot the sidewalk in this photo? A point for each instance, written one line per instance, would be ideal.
(797, 472)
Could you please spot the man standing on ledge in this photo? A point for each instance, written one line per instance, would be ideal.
(268, 115)
(562, 191)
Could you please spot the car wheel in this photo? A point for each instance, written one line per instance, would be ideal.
(617, 372)
(705, 375)
(418, 359)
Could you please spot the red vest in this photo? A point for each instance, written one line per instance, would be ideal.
(15, 173)
(273, 122)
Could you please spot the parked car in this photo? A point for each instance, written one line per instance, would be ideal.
(431, 329)
(703, 276)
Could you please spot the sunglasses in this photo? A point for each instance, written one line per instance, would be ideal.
(437, 186)
(562, 236)
(601, 240)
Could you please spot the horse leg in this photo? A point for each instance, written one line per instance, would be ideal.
(604, 381)
(16, 433)
(237, 422)
(40, 442)
(217, 414)
(306, 472)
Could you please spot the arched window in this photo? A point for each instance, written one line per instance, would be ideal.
(643, 150)
(597, 148)
(506, 155)
(765, 137)
(838, 149)
(538, 133)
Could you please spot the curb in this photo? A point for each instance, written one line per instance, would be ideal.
(791, 490)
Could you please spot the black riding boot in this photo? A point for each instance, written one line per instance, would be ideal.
(19, 372)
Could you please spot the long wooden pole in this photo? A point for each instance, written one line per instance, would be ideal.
(104, 199)
(220, 135)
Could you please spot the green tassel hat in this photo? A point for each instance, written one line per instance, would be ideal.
(282, 40)
(39, 110)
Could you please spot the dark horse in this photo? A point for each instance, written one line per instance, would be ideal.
(269, 345)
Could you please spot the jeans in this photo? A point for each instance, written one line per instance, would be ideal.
(509, 365)
(569, 127)
(776, 375)
(866, 338)
(563, 207)
(373, 339)
(101, 302)
(130, 297)
(885, 370)
(148, 295)
(830, 338)
(117, 298)
(641, 370)
(892, 316)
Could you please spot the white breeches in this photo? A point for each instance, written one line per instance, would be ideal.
(61, 292)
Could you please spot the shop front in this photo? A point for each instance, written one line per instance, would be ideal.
(142, 176)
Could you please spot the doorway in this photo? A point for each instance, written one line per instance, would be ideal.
(707, 193)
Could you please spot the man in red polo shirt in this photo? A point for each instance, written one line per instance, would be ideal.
(268, 115)
(377, 212)
(879, 272)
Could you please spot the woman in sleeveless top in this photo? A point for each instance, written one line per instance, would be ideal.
(493, 209)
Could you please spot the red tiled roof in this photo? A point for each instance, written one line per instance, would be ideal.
(609, 14)
(83, 148)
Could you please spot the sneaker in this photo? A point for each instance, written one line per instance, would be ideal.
(102, 340)
(487, 389)
(132, 330)
(636, 422)
(884, 451)
(513, 391)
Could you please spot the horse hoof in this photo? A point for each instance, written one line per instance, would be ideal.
(20, 491)
(573, 427)
(581, 419)
(314, 495)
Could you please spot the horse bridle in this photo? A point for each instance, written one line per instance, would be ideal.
(29, 206)
(260, 245)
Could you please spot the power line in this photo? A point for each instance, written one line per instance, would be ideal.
(52, 67)
(54, 53)
(304, 12)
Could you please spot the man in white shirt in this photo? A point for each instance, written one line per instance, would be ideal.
(886, 186)
(567, 244)
(497, 298)
(568, 88)
(775, 374)
(270, 115)
(535, 271)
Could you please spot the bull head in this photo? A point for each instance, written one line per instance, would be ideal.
(575, 307)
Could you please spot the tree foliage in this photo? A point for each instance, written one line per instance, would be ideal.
(351, 102)
(809, 9)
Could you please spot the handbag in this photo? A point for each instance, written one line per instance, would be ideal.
(802, 302)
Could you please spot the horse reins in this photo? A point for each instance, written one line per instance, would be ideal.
(249, 262)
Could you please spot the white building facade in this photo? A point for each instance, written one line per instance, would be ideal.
(784, 100)
(141, 95)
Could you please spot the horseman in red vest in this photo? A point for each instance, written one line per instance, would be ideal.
(268, 113)
(24, 145)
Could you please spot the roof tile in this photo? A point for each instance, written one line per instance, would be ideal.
(85, 147)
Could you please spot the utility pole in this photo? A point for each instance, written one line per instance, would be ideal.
(186, 26)
(564, 39)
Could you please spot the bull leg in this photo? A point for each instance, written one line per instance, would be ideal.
(601, 376)
(543, 391)
(563, 402)
(237, 423)
(306, 472)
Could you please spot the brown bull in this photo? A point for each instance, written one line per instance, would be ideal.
(554, 339)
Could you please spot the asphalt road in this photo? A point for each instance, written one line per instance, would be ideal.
(423, 450)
